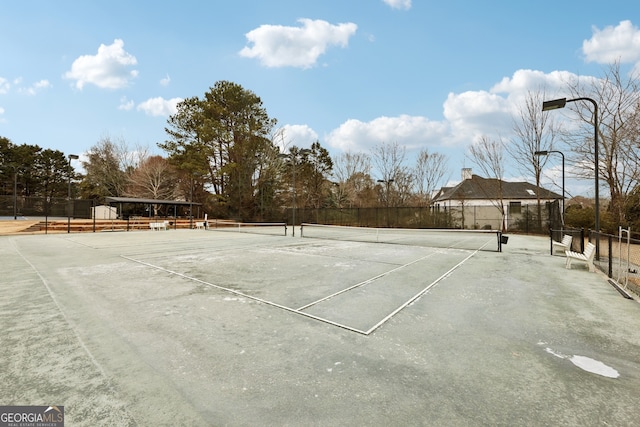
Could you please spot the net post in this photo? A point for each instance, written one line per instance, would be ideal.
(499, 241)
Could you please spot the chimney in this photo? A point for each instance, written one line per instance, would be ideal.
(466, 173)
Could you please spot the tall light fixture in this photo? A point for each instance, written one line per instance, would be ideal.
(191, 205)
(560, 103)
(15, 192)
(71, 157)
(546, 153)
(194, 175)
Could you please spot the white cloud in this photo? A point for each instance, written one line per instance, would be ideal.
(280, 46)
(42, 84)
(4, 85)
(409, 131)
(399, 4)
(36, 87)
(165, 81)
(298, 135)
(159, 106)
(468, 116)
(621, 43)
(531, 80)
(109, 69)
(125, 104)
(474, 114)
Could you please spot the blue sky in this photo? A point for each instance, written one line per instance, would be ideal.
(352, 74)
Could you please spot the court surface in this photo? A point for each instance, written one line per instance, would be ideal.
(195, 327)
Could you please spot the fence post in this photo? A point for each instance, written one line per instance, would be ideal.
(610, 272)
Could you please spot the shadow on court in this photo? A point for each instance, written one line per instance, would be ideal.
(194, 327)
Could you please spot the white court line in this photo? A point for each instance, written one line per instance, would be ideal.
(67, 319)
(366, 282)
(311, 316)
(418, 295)
(273, 304)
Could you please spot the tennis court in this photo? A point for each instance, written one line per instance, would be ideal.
(337, 280)
(213, 327)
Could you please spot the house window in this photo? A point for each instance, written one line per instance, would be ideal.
(515, 208)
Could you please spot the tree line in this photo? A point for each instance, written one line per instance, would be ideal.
(223, 150)
(31, 171)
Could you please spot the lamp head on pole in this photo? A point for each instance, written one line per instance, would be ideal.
(554, 105)
(541, 153)
(73, 157)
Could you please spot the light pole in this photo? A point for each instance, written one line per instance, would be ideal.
(15, 193)
(71, 157)
(546, 153)
(560, 103)
(387, 182)
(194, 176)
(294, 157)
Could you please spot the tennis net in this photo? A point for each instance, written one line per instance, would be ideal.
(486, 240)
(271, 228)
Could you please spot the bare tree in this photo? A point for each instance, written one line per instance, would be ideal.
(389, 160)
(352, 172)
(535, 131)
(618, 98)
(488, 155)
(109, 164)
(154, 178)
(404, 183)
(429, 173)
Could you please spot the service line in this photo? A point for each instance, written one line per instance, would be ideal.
(366, 282)
(222, 288)
(419, 294)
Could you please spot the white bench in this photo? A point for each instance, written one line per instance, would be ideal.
(564, 245)
(157, 226)
(200, 225)
(587, 256)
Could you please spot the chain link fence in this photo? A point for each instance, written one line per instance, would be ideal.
(526, 219)
(616, 256)
(18, 207)
(578, 235)
(619, 257)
